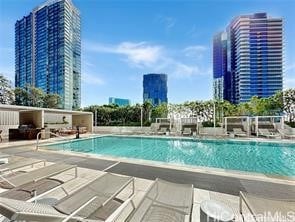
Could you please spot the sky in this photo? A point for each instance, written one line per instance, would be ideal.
(122, 40)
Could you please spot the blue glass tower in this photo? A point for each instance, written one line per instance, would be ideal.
(221, 78)
(48, 51)
(254, 57)
(119, 101)
(155, 88)
(24, 59)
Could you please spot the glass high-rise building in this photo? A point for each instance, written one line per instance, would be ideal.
(254, 57)
(48, 51)
(220, 74)
(155, 88)
(119, 101)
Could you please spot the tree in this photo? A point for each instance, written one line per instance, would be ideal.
(36, 97)
(6, 91)
(146, 109)
(51, 101)
(160, 111)
(21, 96)
(289, 104)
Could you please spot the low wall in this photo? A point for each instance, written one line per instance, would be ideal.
(120, 129)
(211, 131)
(5, 129)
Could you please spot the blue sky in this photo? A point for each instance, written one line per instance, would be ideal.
(122, 40)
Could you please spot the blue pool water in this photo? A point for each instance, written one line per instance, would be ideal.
(268, 158)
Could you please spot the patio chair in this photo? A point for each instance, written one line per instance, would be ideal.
(266, 133)
(239, 132)
(287, 133)
(187, 132)
(15, 162)
(165, 202)
(35, 175)
(162, 131)
(281, 210)
(96, 201)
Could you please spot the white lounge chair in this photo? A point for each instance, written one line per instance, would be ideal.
(187, 132)
(164, 202)
(93, 202)
(35, 175)
(266, 133)
(268, 209)
(162, 131)
(15, 162)
(287, 133)
(239, 132)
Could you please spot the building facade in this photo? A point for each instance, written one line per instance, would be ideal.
(220, 77)
(48, 51)
(155, 88)
(119, 101)
(254, 57)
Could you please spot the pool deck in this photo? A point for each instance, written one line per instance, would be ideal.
(219, 186)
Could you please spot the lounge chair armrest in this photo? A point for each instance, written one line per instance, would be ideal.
(69, 217)
(114, 216)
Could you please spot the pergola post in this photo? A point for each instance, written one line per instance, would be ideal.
(225, 124)
(256, 120)
(248, 126)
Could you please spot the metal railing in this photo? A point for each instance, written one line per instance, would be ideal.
(50, 133)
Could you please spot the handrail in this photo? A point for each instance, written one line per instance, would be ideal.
(50, 133)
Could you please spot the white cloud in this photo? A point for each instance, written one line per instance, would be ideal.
(182, 70)
(138, 54)
(290, 67)
(194, 32)
(89, 64)
(290, 77)
(92, 79)
(195, 51)
(290, 83)
(154, 58)
(169, 22)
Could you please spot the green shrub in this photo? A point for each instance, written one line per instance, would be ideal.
(209, 124)
(291, 124)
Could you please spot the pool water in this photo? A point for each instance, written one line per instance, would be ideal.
(260, 157)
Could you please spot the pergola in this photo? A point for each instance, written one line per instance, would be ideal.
(191, 122)
(270, 120)
(166, 122)
(238, 121)
(248, 121)
(12, 115)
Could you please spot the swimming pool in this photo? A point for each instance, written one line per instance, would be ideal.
(260, 157)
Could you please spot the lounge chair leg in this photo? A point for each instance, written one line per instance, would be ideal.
(133, 186)
(241, 207)
(76, 172)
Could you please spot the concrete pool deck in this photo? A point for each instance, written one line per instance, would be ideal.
(86, 175)
(220, 186)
